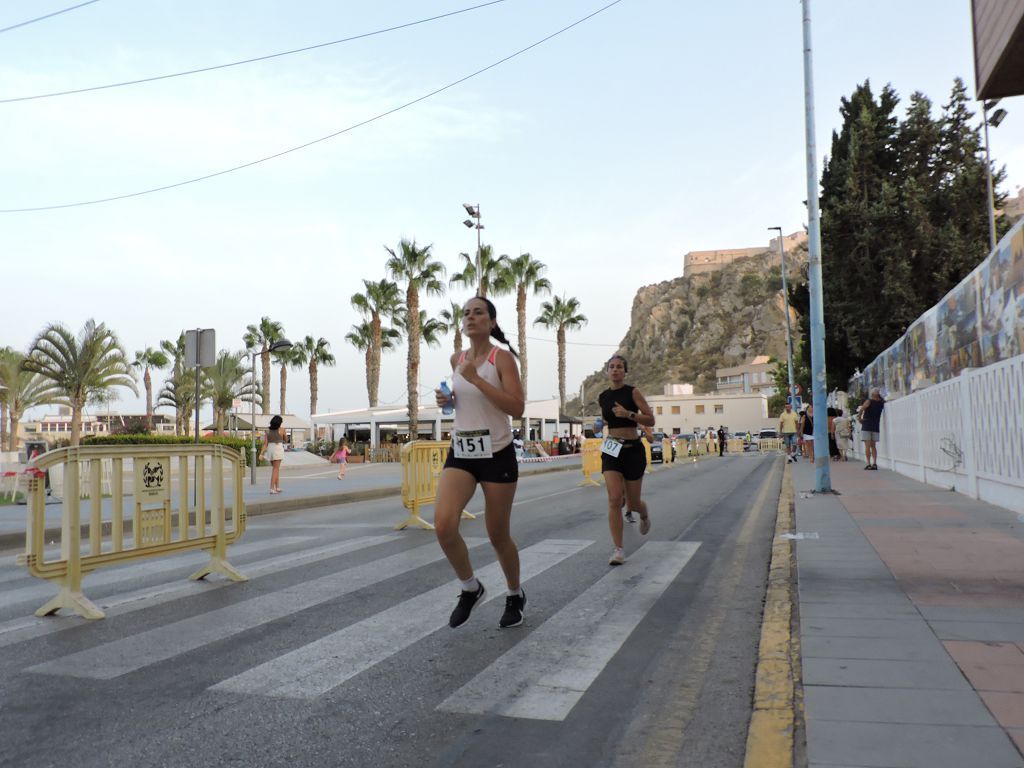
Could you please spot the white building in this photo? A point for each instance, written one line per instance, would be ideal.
(679, 411)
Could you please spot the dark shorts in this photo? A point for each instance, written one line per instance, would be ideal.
(631, 461)
(502, 467)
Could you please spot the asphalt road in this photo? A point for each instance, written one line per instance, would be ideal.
(336, 652)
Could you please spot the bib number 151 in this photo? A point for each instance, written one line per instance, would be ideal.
(472, 444)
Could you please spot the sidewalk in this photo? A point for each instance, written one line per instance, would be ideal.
(911, 605)
(304, 484)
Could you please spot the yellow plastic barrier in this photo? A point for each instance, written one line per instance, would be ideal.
(666, 452)
(155, 525)
(647, 452)
(770, 444)
(591, 453)
(422, 462)
(734, 445)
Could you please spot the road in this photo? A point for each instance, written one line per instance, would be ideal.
(336, 652)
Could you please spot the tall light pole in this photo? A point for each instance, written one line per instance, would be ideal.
(785, 299)
(822, 473)
(473, 222)
(994, 121)
(274, 347)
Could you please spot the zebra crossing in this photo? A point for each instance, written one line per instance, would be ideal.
(548, 669)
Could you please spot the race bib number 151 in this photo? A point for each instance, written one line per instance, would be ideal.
(472, 444)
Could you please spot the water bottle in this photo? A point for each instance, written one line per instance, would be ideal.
(448, 407)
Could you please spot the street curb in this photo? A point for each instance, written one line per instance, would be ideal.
(257, 508)
(772, 723)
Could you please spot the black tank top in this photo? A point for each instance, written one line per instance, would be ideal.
(622, 396)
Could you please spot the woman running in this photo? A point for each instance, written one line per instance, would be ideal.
(486, 391)
(623, 459)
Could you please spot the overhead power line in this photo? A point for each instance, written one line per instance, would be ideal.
(573, 343)
(322, 138)
(154, 78)
(47, 16)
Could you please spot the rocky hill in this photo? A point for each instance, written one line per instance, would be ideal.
(681, 330)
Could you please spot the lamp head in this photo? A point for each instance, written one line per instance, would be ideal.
(997, 117)
(468, 223)
(471, 210)
(279, 345)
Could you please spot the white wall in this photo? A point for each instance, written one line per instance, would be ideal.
(966, 434)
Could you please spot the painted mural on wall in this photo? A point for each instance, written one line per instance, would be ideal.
(979, 322)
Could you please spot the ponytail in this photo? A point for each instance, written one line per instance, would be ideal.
(499, 334)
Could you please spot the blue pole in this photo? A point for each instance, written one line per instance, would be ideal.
(822, 475)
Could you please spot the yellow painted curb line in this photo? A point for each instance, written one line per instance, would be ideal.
(772, 723)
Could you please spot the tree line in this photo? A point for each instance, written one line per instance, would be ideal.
(904, 218)
(83, 370)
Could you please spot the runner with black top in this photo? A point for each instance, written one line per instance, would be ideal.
(623, 459)
(486, 391)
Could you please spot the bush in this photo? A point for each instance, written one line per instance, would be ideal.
(239, 444)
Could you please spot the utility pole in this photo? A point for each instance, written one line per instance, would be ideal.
(789, 330)
(822, 471)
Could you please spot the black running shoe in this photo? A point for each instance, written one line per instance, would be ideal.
(467, 600)
(515, 605)
(630, 518)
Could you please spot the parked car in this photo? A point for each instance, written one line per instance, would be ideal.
(768, 433)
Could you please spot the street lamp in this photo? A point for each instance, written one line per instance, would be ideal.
(997, 117)
(473, 222)
(274, 347)
(785, 299)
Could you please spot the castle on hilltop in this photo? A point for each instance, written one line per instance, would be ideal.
(701, 262)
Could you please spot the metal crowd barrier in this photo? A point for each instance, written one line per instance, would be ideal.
(422, 462)
(154, 526)
(770, 444)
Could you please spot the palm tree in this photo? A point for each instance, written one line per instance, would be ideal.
(522, 274)
(561, 314)
(313, 353)
(179, 392)
(175, 351)
(486, 278)
(22, 390)
(361, 337)
(414, 266)
(381, 300)
(146, 359)
(431, 329)
(452, 319)
(229, 378)
(286, 358)
(4, 351)
(262, 336)
(79, 367)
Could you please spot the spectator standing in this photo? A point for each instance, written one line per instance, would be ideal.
(870, 413)
(807, 432)
(721, 440)
(788, 423)
(843, 431)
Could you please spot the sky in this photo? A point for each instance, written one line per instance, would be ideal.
(653, 128)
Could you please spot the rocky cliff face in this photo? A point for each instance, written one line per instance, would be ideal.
(682, 330)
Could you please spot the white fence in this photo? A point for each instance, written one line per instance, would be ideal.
(966, 434)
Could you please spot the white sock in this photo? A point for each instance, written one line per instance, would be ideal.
(470, 585)
(514, 592)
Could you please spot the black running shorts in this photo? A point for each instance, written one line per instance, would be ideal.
(502, 467)
(631, 461)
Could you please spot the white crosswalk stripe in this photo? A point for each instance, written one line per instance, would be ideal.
(544, 676)
(137, 651)
(19, 630)
(321, 666)
(184, 564)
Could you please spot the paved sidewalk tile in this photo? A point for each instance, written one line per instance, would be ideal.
(897, 705)
(870, 648)
(913, 629)
(885, 745)
(883, 673)
(989, 631)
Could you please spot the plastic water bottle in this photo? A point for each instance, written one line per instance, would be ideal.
(448, 407)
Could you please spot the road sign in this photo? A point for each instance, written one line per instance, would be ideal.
(797, 402)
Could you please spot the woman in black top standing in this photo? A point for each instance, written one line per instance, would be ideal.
(807, 432)
(623, 459)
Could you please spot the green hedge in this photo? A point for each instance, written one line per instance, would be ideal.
(239, 444)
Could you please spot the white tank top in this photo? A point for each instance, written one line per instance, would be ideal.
(472, 408)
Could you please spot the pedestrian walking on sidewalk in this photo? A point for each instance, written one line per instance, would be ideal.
(341, 457)
(623, 459)
(807, 432)
(486, 391)
(788, 423)
(870, 413)
(844, 430)
(273, 449)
